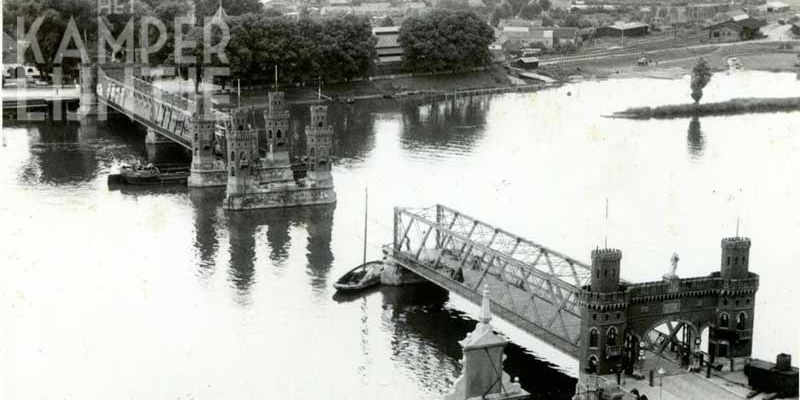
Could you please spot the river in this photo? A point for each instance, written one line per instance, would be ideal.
(157, 293)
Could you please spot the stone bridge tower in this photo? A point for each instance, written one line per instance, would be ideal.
(276, 120)
(202, 125)
(242, 153)
(603, 315)
(319, 141)
(731, 335)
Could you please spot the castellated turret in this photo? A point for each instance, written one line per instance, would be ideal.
(202, 126)
(735, 258)
(242, 149)
(319, 140)
(605, 270)
(276, 119)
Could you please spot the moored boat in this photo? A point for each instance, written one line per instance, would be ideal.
(150, 175)
(365, 275)
(361, 277)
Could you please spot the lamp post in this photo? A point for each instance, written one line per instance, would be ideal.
(660, 382)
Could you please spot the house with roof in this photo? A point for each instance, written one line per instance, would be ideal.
(705, 11)
(772, 7)
(388, 48)
(734, 30)
(623, 29)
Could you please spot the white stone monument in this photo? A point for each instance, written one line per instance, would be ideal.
(482, 376)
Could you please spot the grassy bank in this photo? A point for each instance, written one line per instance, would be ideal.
(396, 87)
(733, 106)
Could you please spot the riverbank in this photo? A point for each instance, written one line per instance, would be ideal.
(667, 64)
(675, 63)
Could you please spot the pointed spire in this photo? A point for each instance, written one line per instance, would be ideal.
(486, 307)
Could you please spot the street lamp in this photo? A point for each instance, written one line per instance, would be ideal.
(660, 382)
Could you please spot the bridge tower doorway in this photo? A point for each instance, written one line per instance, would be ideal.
(674, 339)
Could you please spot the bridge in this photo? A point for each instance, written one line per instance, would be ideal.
(167, 114)
(586, 311)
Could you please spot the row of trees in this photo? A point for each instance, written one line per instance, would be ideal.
(445, 40)
(83, 14)
(334, 49)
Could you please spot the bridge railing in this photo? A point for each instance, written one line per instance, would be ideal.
(167, 112)
(539, 284)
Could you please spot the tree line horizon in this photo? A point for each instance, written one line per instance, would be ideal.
(304, 51)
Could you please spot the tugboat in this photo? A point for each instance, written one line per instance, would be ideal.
(367, 274)
(150, 174)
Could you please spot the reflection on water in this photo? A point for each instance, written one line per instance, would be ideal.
(695, 141)
(152, 282)
(245, 228)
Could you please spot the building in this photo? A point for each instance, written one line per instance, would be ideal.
(526, 63)
(773, 7)
(522, 34)
(388, 48)
(706, 11)
(623, 29)
(565, 36)
(735, 30)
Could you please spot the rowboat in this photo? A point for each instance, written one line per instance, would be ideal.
(361, 277)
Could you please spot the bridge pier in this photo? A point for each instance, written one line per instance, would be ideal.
(88, 91)
(153, 138)
(206, 170)
(395, 275)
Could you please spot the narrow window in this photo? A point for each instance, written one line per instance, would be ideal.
(723, 321)
(741, 321)
(233, 172)
(594, 337)
(233, 156)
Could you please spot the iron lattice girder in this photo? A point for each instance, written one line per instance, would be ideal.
(544, 274)
(150, 103)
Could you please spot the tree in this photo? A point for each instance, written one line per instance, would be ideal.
(547, 21)
(530, 11)
(445, 40)
(701, 75)
(545, 4)
(494, 17)
(207, 8)
(387, 21)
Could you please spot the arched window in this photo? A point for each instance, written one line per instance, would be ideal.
(279, 133)
(592, 365)
(728, 261)
(741, 321)
(723, 321)
(311, 151)
(233, 171)
(270, 134)
(233, 156)
(611, 336)
(594, 337)
(241, 155)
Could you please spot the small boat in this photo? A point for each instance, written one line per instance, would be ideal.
(365, 275)
(361, 277)
(150, 175)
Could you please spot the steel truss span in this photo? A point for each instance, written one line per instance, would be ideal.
(533, 287)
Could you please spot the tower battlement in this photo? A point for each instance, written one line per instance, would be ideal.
(606, 255)
(736, 242)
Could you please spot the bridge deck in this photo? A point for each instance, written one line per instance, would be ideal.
(510, 300)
